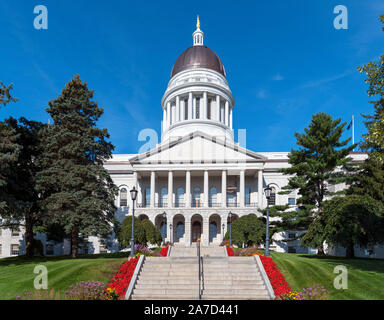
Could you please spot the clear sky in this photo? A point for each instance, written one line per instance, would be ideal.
(284, 60)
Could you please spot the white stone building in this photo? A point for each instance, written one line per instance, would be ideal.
(198, 173)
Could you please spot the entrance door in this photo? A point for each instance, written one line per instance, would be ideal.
(196, 231)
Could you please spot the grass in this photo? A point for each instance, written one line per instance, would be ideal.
(365, 276)
(17, 276)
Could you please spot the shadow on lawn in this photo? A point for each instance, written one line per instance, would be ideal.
(364, 264)
(21, 260)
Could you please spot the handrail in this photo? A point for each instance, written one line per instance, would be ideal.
(198, 258)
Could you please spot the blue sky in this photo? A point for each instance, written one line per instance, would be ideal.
(284, 60)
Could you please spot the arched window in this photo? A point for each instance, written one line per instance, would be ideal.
(212, 196)
(123, 197)
(163, 197)
(163, 230)
(247, 196)
(212, 231)
(180, 197)
(196, 197)
(179, 231)
(272, 198)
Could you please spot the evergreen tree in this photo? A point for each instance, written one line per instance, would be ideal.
(77, 191)
(313, 169)
(348, 221)
(5, 94)
(22, 197)
(373, 140)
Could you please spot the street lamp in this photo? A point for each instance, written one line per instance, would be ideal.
(223, 226)
(165, 223)
(267, 191)
(171, 233)
(230, 228)
(133, 197)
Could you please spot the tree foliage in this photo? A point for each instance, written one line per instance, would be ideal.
(145, 232)
(77, 191)
(313, 169)
(348, 221)
(373, 140)
(248, 230)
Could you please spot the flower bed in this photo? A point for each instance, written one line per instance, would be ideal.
(164, 251)
(279, 285)
(120, 281)
(230, 252)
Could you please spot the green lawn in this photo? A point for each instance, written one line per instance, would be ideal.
(365, 276)
(16, 274)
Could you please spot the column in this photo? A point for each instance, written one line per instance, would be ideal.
(188, 189)
(177, 119)
(242, 188)
(182, 110)
(168, 113)
(226, 113)
(260, 189)
(164, 119)
(205, 106)
(190, 101)
(230, 119)
(218, 108)
(206, 189)
(153, 175)
(170, 189)
(224, 188)
(187, 231)
(205, 233)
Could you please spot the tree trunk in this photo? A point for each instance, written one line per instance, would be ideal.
(320, 250)
(29, 235)
(74, 242)
(350, 251)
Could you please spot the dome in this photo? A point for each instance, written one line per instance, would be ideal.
(198, 57)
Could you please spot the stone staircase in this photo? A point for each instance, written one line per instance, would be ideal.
(176, 277)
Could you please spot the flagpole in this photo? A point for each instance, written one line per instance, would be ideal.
(353, 131)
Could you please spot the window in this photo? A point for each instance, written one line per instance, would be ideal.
(1, 249)
(123, 197)
(291, 235)
(196, 197)
(14, 249)
(197, 108)
(180, 197)
(49, 250)
(291, 201)
(163, 230)
(212, 196)
(247, 195)
(209, 111)
(147, 196)
(103, 249)
(291, 250)
(163, 197)
(272, 198)
(186, 109)
(15, 233)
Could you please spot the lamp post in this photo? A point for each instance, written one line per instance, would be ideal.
(133, 197)
(171, 233)
(230, 228)
(223, 226)
(267, 191)
(165, 223)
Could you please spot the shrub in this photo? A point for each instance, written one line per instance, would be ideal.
(145, 232)
(248, 230)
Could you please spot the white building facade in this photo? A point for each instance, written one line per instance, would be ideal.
(188, 184)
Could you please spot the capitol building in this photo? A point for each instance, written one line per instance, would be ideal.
(190, 182)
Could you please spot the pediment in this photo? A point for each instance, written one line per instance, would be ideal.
(198, 147)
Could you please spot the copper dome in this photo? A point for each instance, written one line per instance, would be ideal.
(198, 57)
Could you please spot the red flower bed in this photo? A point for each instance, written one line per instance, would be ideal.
(122, 278)
(230, 252)
(279, 285)
(164, 251)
